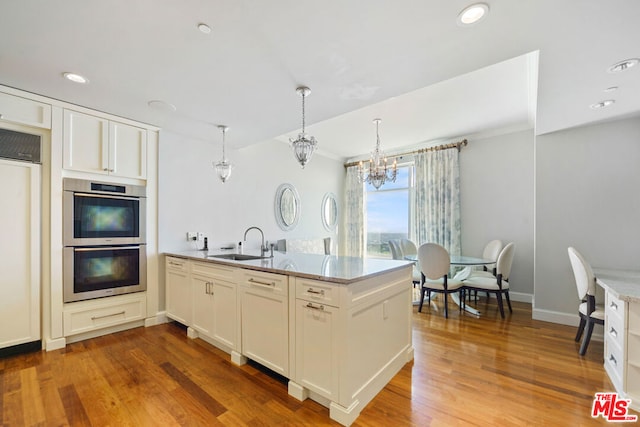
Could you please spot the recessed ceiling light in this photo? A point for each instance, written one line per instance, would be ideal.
(161, 105)
(204, 28)
(602, 104)
(76, 78)
(472, 14)
(623, 65)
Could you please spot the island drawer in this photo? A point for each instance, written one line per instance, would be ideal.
(276, 283)
(316, 290)
(177, 264)
(213, 270)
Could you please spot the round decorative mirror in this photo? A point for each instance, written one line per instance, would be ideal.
(287, 207)
(329, 212)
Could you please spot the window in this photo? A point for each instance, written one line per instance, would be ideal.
(388, 212)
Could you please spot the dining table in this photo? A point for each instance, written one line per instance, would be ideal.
(467, 262)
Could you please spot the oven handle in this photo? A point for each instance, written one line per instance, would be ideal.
(105, 196)
(105, 248)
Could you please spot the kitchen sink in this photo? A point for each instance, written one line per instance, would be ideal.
(236, 257)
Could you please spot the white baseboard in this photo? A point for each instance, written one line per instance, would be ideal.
(565, 319)
(158, 319)
(55, 344)
(521, 297)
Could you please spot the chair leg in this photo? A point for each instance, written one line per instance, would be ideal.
(587, 338)
(506, 294)
(500, 305)
(581, 326)
(446, 307)
(422, 291)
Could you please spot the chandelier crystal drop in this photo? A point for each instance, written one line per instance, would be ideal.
(223, 167)
(379, 171)
(303, 146)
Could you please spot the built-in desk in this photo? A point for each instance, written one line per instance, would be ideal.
(622, 330)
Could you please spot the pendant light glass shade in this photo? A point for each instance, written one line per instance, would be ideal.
(223, 167)
(303, 146)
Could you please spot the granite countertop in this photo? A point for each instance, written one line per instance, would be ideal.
(329, 268)
(624, 284)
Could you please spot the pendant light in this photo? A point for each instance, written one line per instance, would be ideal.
(379, 170)
(303, 146)
(223, 167)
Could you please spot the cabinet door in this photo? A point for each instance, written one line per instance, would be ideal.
(265, 314)
(316, 352)
(202, 288)
(85, 143)
(15, 109)
(127, 151)
(224, 313)
(178, 291)
(20, 266)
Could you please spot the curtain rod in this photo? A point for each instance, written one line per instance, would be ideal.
(457, 145)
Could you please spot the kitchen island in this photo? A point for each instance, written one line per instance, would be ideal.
(339, 328)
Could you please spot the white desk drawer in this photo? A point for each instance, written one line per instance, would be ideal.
(614, 329)
(614, 360)
(614, 306)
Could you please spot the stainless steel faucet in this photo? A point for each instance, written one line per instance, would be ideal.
(263, 248)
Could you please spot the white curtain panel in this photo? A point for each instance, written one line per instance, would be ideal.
(354, 219)
(437, 199)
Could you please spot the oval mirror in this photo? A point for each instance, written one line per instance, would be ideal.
(287, 207)
(329, 212)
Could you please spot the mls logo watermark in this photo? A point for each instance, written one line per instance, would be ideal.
(612, 408)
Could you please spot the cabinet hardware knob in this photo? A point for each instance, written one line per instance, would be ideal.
(613, 332)
(106, 169)
(613, 359)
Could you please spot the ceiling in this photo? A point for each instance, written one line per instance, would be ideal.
(406, 61)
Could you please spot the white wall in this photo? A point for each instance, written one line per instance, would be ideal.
(192, 198)
(587, 196)
(496, 186)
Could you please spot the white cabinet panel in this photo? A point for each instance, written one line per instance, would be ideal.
(178, 290)
(97, 145)
(15, 109)
(20, 260)
(264, 319)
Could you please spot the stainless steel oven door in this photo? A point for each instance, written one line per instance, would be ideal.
(96, 272)
(100, 219)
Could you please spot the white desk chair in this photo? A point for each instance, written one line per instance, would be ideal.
(590, 312)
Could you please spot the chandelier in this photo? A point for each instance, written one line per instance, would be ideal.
(303, 146)
(379, 171)
(223, 167)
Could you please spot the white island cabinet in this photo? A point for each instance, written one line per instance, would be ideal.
(622, 331)
(338, 328)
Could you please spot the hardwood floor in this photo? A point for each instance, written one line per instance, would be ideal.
(467, 371)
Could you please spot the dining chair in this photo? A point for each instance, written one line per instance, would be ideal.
(498, 284)
(397, 253)
(434, 265)
(590, 312)
(491, 251)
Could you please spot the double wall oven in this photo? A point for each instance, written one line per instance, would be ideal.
(104, 236)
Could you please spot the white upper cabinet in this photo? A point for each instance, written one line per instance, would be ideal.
(15, 109)
(97, 145)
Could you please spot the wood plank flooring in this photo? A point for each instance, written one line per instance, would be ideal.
(467, 371)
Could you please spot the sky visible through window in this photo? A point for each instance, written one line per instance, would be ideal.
(388, 213)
